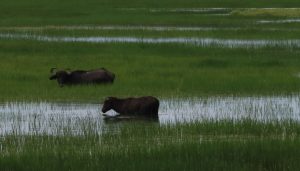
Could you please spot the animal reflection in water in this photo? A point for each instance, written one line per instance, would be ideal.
(132, 108)
(128, 118)
(96, 76)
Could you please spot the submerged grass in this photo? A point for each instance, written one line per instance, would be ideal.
(219, 145)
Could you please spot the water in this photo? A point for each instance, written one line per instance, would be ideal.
(202, 10)
(206, 11)
(146, 28)
(203, 42)
(77, 118)
(141, 28)
(279, 21)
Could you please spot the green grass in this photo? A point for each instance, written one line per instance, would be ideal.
(221, 145)
(163, 70)
(144, 69)
(104, 12)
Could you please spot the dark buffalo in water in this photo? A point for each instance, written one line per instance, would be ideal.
(97, 76)
(142, 106)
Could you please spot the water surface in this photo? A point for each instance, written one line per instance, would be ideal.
(195, 41)
(140, 28)
(294, 20)
(76, 118)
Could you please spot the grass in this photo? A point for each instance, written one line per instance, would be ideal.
(130, 12)
(222, 145)
(163, 70)
(143, 69)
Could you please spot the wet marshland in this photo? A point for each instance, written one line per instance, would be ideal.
(76, 118)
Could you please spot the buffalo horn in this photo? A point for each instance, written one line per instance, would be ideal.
(52, 70)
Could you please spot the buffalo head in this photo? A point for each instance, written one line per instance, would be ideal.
(111, 76)
(108, 104)
(60, 76)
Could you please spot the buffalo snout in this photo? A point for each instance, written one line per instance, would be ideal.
(105, 108)
(53, 77)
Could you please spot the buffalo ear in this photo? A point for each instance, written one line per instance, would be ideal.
(52, 70)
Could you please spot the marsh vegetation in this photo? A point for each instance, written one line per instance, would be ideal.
(226, 73)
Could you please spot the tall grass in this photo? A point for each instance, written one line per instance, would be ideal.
(210, 146)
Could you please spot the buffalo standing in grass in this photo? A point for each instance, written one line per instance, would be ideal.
(97, 76)
(142, 106)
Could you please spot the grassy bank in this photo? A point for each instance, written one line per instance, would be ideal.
(225, 145)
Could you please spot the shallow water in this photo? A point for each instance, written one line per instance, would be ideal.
(279, 21)
(203, 42)
(143, 28)
(201, 9)
(206, 11)
(74, 118)
(147, 28)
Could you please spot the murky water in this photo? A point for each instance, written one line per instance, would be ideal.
(72, 118)
(203, 42)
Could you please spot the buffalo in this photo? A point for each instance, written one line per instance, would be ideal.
(97, 76)
(141, 106)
